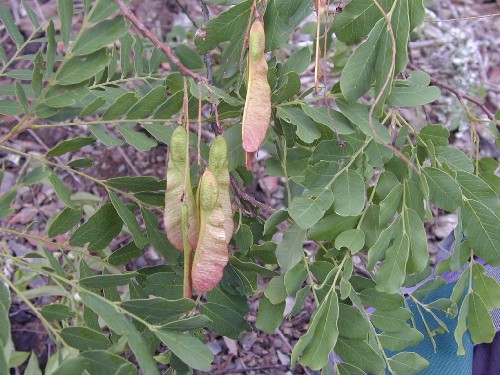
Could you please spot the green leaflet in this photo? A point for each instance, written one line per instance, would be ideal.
(310, 207)
(81, 68)
(408, 363)
(481, 228)
(479, 320)
(391, 275)
(443, 189)
(289, 250)
(122, 326)
(99, 36)
(315, 346)
(281, 19)
(227, 26)
(99, 229)
(349, 193)
(270, 315)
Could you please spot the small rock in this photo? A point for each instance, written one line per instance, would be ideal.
(277, 343)
(444, 225)
(232, 346)
(248, 341)
(214, 347)
(284, 359)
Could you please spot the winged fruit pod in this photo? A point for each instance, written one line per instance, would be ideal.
(257, 112)
(212, 253)
(218, 165)
(174, 192)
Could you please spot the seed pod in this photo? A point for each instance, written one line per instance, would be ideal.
(218, 165)
(257, 112)
(174, 192)
(211, 254)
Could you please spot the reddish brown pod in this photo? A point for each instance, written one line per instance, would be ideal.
(212, 252)
(257, 111)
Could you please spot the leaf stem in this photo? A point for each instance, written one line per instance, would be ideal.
(42, 160)
(50, 330)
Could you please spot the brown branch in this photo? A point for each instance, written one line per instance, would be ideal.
(248, 198)
(156, 42)
(460, 95)
(206, 58)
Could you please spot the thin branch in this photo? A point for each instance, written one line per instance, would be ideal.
(460, 95)
(465, 18)
(156, 42)
(248, 198)
(186, 12)
(47, 149)
(206, 58)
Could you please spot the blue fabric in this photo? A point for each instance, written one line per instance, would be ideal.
(445, 361)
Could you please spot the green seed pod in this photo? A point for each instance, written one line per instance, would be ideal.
(174, 192)
(218, 165)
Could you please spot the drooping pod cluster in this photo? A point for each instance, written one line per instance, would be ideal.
(257, 111)
(211, 216)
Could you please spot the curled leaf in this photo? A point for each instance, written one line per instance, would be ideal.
(257, 112)
(211, 254)
(174, 193)
(218, 165)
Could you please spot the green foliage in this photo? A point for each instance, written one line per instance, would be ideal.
(359, 179)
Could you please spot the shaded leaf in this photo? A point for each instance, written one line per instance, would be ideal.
(443, 189)
(189, 349)
(480, 324)
(306, 129)
(83, 338)
(80, 68)
(481, 229)
(104, 363)
(99, 229)
(106, 281)
(226, 312)
(138, 140)
(349, 192)
(310, 207)
(408, 363)
(414, 91)
(400, 340)
(352, 239)
(360, 354)
(146, 105)
(65, 12)
(10, 25)
(100, 133)
(158, 310)
(270, 315)
(72, 145)
(289, 250)
(99, 36)
(281, 19)
(120, 106)
(56, 312)
(122, 326)
(64, 221)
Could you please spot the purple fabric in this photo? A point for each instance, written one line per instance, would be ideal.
(487, 358)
